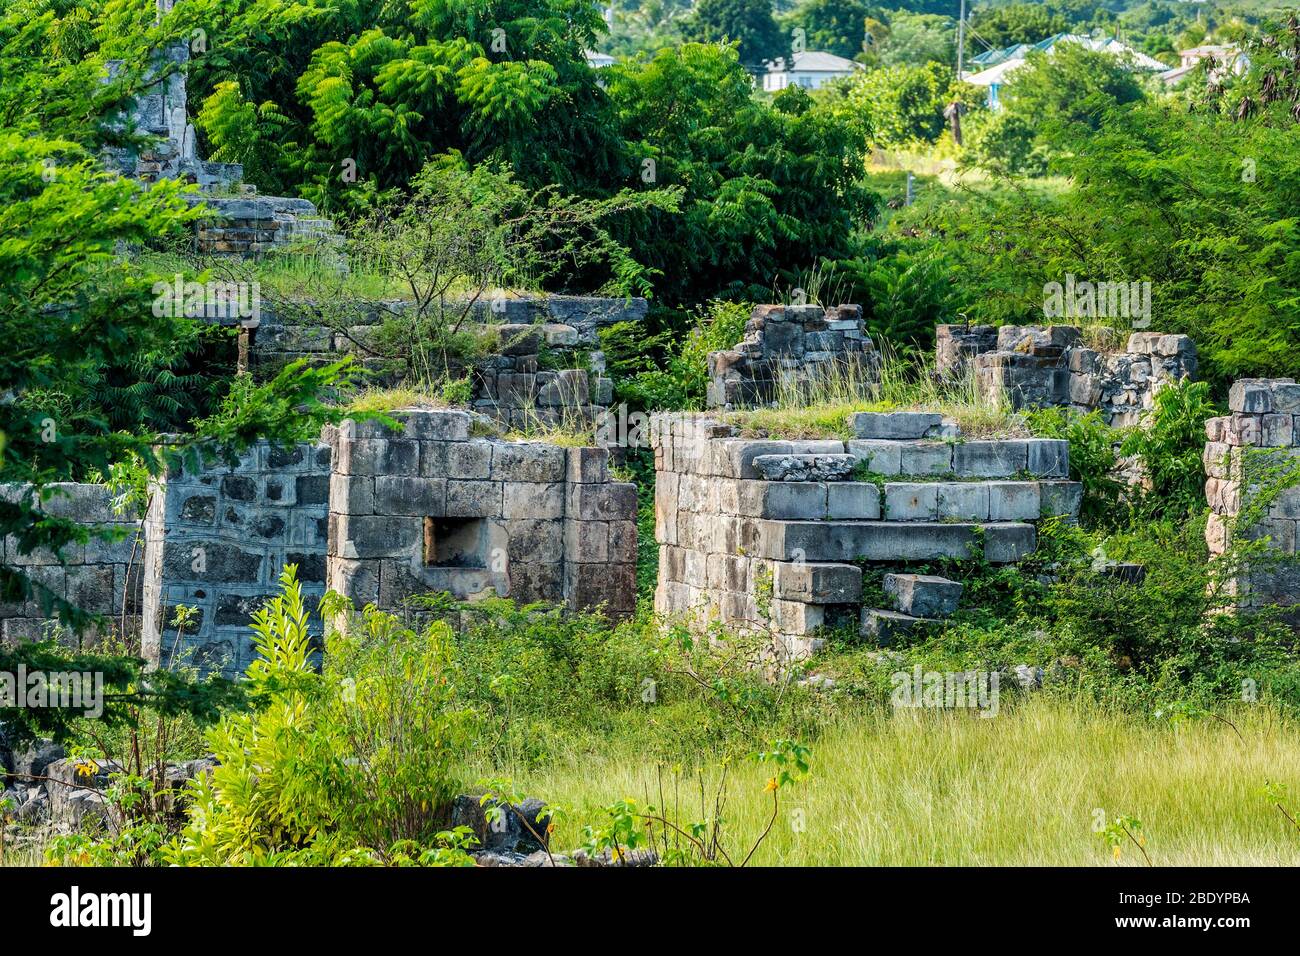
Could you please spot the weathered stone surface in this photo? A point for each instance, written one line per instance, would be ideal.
(818, 583)
(895, 425)
(804, 467)
(990, 459)
(923, 595)
(884, 627)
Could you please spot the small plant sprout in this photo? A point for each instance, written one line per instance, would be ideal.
(1122, 830)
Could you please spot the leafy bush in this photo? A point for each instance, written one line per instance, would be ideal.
(1092, 457)
(1170, 450)
(352, 764)
(682, 383)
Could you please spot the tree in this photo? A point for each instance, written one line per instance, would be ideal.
(767, 188)
(836, 26)
(905, 103)
(1017, 23)
(1071, 86)
(916, 39)
(308, 90)
(748, 23)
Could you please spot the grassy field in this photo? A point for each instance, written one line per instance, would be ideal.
(1023, 788)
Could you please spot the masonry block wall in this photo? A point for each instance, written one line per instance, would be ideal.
(549, 368)
(1049, 366)
(772, 536)
(217, 538)
(787, 343)
(429, 508)
(1261, 434)
(101, 577)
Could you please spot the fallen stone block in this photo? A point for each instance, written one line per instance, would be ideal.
(884, 626)
(923, 595)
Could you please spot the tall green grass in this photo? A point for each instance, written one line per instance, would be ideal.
(818, 404)
(1023, 788)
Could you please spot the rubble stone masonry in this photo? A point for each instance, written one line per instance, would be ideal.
(1250, 453)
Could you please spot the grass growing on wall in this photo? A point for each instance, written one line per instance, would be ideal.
(820, 406)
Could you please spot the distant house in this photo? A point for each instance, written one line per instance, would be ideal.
(811, 69)
(1227, 59)
(996, 65)
(597, 60)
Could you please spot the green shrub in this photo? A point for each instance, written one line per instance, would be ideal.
(1092, 458)
(1170, 450)
(352, 764)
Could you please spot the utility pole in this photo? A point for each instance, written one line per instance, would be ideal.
(961, 38)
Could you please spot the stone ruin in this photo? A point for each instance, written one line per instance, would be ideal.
(788, 344)
(1049, 366)
(1260, 433)
(549, 368)
(242, 223)
(381, 516)
(773, 537)
(99, 576)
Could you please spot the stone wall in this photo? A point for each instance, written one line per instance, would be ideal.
(548, 368)
(431, 509)
(217, 538)
(1261, 434)
(100, 577)
(1048, 366)
(252, 225)
(772, 536)
(791, 344)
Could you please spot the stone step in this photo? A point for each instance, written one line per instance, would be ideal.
(883, 626)
(1004, 541)
(923, 595)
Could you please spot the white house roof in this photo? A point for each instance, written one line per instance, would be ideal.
(813, 61)
(997, 74)
(596, 60)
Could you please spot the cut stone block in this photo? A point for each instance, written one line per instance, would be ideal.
(818, 583)
(884, 626)
(792, 500)
(795, 617)
(990, 459)
(923, 595)
(1059, 498)
(911, 501)
(1048, 457)
(852, 500)
(888, 540)
(1008, 542)
(895, 425)
(881, 457)
(1014, 500)
(963, 500)
(925, 458)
